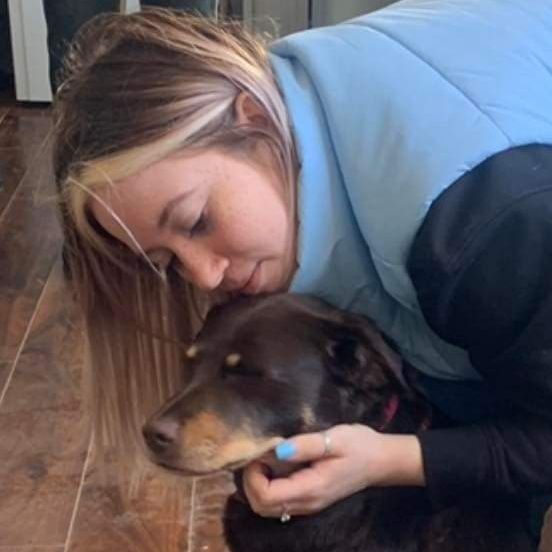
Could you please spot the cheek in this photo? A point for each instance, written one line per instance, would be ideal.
(272, 220)
(261, 225)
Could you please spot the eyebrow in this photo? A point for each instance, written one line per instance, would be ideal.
(166, 213)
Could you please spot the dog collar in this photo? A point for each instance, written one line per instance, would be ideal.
(390, 411)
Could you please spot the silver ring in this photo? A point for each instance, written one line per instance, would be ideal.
(285, 517)
(327, 443)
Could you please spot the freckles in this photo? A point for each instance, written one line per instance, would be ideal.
(249, 216)
(242, 233)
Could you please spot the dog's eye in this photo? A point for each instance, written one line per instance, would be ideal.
(239, 368)
(235, 365)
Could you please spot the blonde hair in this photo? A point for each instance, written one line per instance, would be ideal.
(136, 89)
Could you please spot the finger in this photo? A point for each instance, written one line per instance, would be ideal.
(304, 485)
(298, 494)
(263, 493)
(256, 486)
(305, 508)
(255, 483)
(302, 508)
(295, 509)
(306, 447)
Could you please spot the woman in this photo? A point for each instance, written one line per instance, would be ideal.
(398, 165)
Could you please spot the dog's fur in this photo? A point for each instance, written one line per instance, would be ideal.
(276, 366)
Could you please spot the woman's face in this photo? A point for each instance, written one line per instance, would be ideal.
(220, 220)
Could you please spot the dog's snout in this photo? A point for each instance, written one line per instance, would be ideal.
(161, 435)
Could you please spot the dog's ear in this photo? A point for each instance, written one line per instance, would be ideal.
(356, 349)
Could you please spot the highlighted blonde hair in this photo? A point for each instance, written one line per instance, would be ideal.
(136, 89)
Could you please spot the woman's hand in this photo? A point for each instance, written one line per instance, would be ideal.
(358, 457)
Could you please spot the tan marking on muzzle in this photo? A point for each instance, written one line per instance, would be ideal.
(204, 430)
(209, 445)
(242, 449)
(192, 351)
(233, 359)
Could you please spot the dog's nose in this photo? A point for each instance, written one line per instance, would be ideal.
(161, 434)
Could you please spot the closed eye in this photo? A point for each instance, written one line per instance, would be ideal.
(200, 226)
(240, 369)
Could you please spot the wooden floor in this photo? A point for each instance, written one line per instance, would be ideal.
(51, 498)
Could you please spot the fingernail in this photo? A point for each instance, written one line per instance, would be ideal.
(285, 450)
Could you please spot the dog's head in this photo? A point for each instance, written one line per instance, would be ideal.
(269, 367)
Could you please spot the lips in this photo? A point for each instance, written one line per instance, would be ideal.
(244, 287)
(252, 285)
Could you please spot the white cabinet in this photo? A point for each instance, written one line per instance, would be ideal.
(30, 54)
(30, 51)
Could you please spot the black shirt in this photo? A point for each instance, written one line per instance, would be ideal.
(482, 267)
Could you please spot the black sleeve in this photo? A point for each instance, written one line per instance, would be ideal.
(482, 267)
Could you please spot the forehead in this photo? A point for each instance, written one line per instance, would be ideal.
(264, 328)
(139, 199)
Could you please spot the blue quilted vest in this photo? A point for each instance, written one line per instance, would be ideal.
(389, 109)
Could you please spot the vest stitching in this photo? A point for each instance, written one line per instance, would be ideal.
(444, 78)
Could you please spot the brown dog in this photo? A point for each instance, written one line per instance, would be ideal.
(271, 367)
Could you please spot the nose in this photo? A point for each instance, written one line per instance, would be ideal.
(161, 435)
(203, 267)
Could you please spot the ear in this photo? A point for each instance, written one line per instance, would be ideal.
(354, 362)
(249, 112)
(357, 350)
(367, 329)
(352, 340)
(344, 349)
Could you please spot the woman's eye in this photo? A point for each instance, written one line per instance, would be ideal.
(199, 226)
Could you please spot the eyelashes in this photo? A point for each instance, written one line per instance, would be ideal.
(200, 226)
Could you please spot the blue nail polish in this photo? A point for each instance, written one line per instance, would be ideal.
(285, 450)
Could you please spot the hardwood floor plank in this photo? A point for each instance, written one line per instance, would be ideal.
(12, 171)
(31, 549)
(44, 436)
(30, 241)
(24, 126)
(3, 112)
(209, 500)
(22, 137)
(155, 520)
